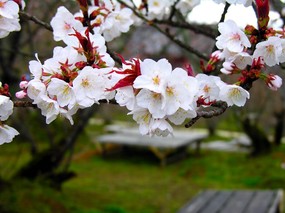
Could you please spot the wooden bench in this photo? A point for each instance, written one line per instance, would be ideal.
(236, 201)
(166, 149)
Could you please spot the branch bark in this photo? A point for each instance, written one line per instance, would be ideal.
(27, 16)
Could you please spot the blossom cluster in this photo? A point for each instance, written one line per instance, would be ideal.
(108, 19)
(9, 17)
(7, 133)
(70, 80)
(236, 50)
(82, 73)
(161, 9)
(158, 95)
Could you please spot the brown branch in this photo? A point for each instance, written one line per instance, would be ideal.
(198, 29)
(223, 16)
(181, 44)
(27, 16)
(24, 104)
(222, 19)
(30, 104)
(220, 108)
(166, 33)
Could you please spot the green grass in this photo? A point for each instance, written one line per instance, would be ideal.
(134, 182)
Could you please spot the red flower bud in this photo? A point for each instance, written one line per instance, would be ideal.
(263, 13)
(96, 3)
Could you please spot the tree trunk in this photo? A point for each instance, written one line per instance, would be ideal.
(259, 139)
(45, 164)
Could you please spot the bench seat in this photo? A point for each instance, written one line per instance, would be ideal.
(162, 147)
(235, 201)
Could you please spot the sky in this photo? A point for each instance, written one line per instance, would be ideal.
(209, 12)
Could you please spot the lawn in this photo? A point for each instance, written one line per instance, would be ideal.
(134, 182)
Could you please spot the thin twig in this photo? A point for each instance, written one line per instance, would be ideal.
(27, 16)
(220, 108)
(167, 34)
(222, 19)
(24, 104)
(223, 16)
(30, 104)
(198, 29)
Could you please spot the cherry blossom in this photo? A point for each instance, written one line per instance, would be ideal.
(36, 89)
(63, 24)
(153, 75)
(7, 134)
(270, 50)
(62, 91)
(151, 101)
(90, 86)
(9, 18)
(208, 88)
(160, 127)
(8, 9)
(180, 91)
(181, 115)
(117, 22)
(49, 108)
(184, 6)
(274, 82)
(228, 68)
(232, 38)
(6, 107)
(233, 95)
(125, 97)
(242, 59)
(82, 73)
(246, 3)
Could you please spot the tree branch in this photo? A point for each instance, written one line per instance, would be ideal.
(27, 16)
(167, 34)
(221, 107)
(198, 29)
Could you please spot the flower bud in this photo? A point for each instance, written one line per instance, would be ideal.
(21, 94)
(23, 84)
(263, 13)
(274, 82)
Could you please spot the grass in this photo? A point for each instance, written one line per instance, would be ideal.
(133, 182)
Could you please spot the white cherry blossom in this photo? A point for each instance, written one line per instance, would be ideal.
(90, 86)
(63, 24)
(8, 25)
(160, 127)
(6, 107)
(274, 82)
(62, 91)
(270, 50)
(246, 3)
(151, 101)
(208, 87)
(153, 75)
(117, 22)
(125, 97)
(228, 67)
(180, 115)
(180, 90)
(184, 6)
(8, 9)
(232, 37)
(143, 118)
(36, 89)
(49, 108)
(242, 59)
(7, 134)
(157, 9)
(233, 95)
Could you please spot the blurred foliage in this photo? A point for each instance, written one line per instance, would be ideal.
(134, 182)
